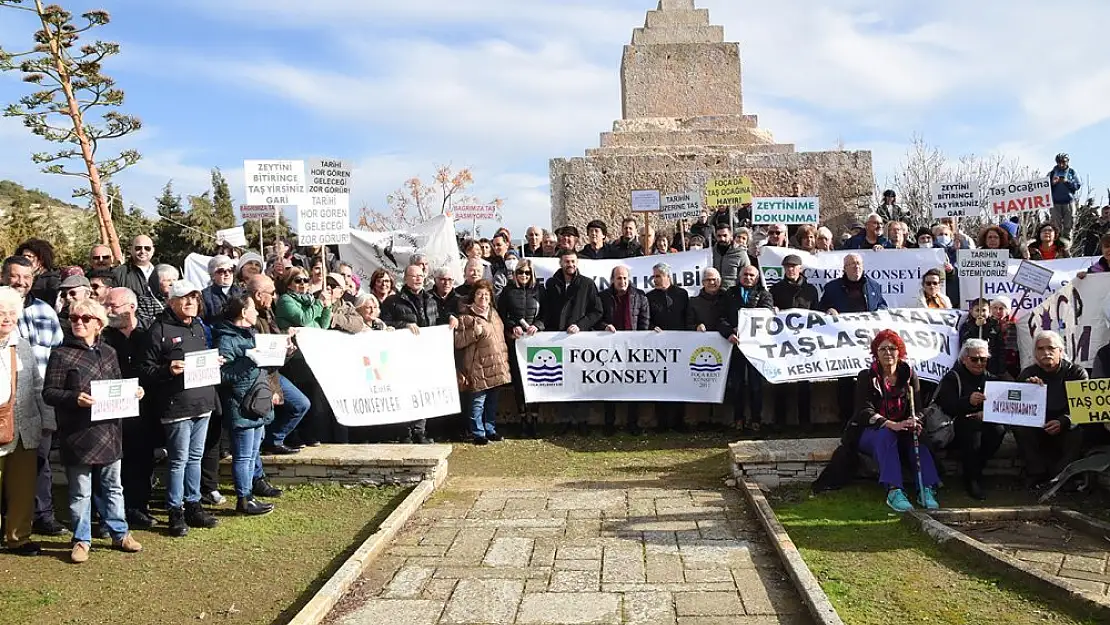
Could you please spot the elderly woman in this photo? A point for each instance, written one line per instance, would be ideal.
(887, 402)
(248, 266)
(824, 240)
(23, 418)
(1047, 246)
(932, 295)
(244, 419)
(483, 360)
(370, 309)
(91, 450)
(805, 238)
(298, 308)
(344, 317)
(382, 284)
(519, 306)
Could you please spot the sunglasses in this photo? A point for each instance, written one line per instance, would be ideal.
(932, 283)
(85, 319)
(224, 271)
(523, 273)
(300, 280)
(73, 293)
(102, 258)
(978, 359)
(144, 248)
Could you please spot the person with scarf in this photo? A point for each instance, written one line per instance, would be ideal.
(931, 294)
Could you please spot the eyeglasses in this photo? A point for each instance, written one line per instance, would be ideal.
(224, 270)
(889, 348)
(102, 257)
(523, 273)
(978, 359)
(932, 283)
(301, 280)
(85, 319)
(144, 248)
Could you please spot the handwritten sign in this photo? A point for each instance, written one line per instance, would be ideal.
(474, 211)
(257, 211)
(681, 206)
(280, 183)
(269, 350)
(234, 236)
(115, 399)
(1088, 401)
(1015, 403)
(786, 210)
(325, 219)
(202, 368)
(1033, 277)
(646, 201)
(734, 191)
(956, 199)
(982, 263)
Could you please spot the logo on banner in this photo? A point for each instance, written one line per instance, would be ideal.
(706, 364)
(773, 273)
(545, 366)
(1013, 395)
(376, 368)
(115, 391)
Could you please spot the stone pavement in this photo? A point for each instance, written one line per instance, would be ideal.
(566, 555)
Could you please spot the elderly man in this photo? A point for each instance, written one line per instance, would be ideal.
(100, 258)
(750, 293)
(871, 238)
(624, 308)
(38, 325)
(793, 291)
(443, 291)
(1048, 449)
(549, 245)
(136, 274)
(571, 304)
(473, 271)
(568, 239)
(73, 289)
(728, 257)
(596, 248)
(669, 306)
(533, 242)
(705, 308)
(184, 412)
(223, 288)
(960, 396)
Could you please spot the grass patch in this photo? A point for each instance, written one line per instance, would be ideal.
(878, 570)
(246, 570)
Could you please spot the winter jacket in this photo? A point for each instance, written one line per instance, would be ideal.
(1099, 266)
(32, 415)
(215, 301)
(953, 394)
(482, 353)
(1035, 250)
(72, 368)
(992, 334)
(738, 298)
(573, 304)
(345, 318)
(625, 249)
(168, 339)
(894, 212)
(601, 253)
(45, 286)
(836, 296)
(860, 242)
(301, 310)
(729, 263)
(801, 294)
(520, 303)
(638, 307)
(499, 275)
(446, 307)
(126, 348)
(145, 289)
(1063, 192)
(705, 310)
(702, 229)
(238, 375)
(869, 395)
(1057, 393)
(405, 307)
(669, 308)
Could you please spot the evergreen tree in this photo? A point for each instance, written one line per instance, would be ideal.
(19, 223)
(271, 231)
(53, 231)
(223, 207)
(171, 246)
(202, 224)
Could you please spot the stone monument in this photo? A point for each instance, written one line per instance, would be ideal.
(683, 124)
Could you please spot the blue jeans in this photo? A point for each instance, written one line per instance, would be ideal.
(288, 415)
(483, 412)
(184, 448)
(246, 462)
(105, 482)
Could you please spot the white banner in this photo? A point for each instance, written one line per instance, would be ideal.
(1078, 312)
(786, 210)
(325, 219)
(624, 366)
(1019, 197)
(956, 199)
(376, 378)
(370, 251)
(982, 263)
(898, 272)
(280, 183)
(795, 345)
(1064, 272)
(686, 268)
(646, 201)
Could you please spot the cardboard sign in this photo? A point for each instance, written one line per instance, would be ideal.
(234, 236)
(257, 211)
(1015, 403)
(956, 199)
(786, 210)
(115, 399)
(982, 263)
(325, 219)
(269, 350)
(1088, 401)
(474, 211)
(280, 183)
(735, 191)
(646, 201)
(681, 206)
(1020, 197)
(202, 368)
(1033, 277)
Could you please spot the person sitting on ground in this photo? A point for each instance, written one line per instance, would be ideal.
(484, 358)
(1047, 246)
(931, 294)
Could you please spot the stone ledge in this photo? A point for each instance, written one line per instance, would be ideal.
(380, 455)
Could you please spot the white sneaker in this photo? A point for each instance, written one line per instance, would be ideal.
(213, 498)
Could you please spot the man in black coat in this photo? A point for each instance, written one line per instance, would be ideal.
(625, 309)
(628, 245)
(669, 306)
(749, 293)
(571, 304)
(596, 248)
(793, 291)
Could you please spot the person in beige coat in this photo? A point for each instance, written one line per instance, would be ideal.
(483, 360)
(23, 418)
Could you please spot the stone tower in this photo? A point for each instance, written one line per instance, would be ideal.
(683, 123)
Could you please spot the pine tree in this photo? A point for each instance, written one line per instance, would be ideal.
(224, 208)
(20, 223)
(271, 231)
(202, 224)
(171, 245)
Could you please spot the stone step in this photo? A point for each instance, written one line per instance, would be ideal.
(701, 122)
(697, 17)
(691, 151)
(678, 34)
(741, 137)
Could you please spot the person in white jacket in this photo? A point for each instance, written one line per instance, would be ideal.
(932, 291)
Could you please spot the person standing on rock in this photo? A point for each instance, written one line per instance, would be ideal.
(1065, 186)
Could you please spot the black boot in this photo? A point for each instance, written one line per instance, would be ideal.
(262, 488)
(252, 507)
(178, 527)
(139, 520)
(196, 516)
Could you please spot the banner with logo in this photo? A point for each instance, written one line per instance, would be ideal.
(1078, 312)
(370, 251)
(898, 272)
(686, 268)
(377, 378)
(795, 345)
(624, 366)
(995, 286)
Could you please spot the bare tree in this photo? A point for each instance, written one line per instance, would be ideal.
(416, 202)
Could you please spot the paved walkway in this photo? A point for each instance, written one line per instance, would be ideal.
(565, 555)
(1057, 550)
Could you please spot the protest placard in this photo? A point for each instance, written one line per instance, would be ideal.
(474, 211)
(269, 350)
(786, 210)
(257, 211)
(278, 183)
(1076, 313)
(646, 201)
(1033, 277)
(326, 218)
(202, 368)
(1019, 197)
(956, 199)
(115, 399)
(681, 206)
(1088, 401)
(733, 191)
(1015, 403)
(982, 263)
(234, 236)
(1022, 301)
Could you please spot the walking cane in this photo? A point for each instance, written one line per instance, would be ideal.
(916, 449)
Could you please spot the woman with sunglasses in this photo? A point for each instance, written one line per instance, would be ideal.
(91, 450)
(297, 307)
(932, 291)
(519, 306)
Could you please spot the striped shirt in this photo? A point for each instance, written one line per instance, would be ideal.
(40, 327)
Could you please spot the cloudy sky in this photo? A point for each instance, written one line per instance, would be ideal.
(501, 86)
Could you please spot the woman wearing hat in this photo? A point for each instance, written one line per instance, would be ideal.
(344, 317)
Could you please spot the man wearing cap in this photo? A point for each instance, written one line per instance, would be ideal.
(249, 265)
(216, 295)
(567, 240)
(184, 413)
(72, 290)
(793, 291)
(596, 248)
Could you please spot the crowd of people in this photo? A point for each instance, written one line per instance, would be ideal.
(64, 328)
